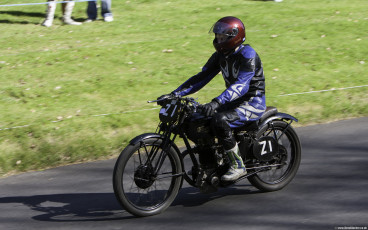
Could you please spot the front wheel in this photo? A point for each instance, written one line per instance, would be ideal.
(147, 177)
(288, 157)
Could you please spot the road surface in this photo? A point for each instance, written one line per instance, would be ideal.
(329, 191)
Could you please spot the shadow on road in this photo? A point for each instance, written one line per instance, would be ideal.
(81, 207)
(72, 207)
(190, 196)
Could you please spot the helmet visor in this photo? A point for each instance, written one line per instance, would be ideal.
(224, 28)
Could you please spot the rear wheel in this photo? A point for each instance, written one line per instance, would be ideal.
(288, 157)
(147, 177)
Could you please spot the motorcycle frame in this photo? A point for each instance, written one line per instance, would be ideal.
(168, 132)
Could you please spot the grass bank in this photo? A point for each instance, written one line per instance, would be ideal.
(78, 93)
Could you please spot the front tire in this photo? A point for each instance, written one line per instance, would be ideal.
(277, 178)
(140, 185)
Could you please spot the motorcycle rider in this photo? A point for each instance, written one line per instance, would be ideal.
(244, 97)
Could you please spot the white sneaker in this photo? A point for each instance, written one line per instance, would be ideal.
(88, 20)
(108, 19)
(234, 174)
(47, 23)
(71, 22)
(278, 0)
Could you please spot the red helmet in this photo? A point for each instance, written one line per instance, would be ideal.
(232, 27)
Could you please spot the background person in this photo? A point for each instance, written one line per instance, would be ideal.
(105, 11)
(67, 9)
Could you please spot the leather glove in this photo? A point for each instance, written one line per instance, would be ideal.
(210, 108)
(161, 99)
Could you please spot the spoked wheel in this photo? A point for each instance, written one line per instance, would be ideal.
(147, 178)
(288, 158)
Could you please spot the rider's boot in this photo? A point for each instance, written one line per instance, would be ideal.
(50, 12)
(67, 14)
(237, 168)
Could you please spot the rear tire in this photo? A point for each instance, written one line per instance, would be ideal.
(277, 178)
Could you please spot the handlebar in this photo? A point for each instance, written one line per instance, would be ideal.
(188, 100)
(152, 101)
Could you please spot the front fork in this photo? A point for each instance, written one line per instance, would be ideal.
(165, 146)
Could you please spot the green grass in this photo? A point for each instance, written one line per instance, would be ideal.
(54, 80)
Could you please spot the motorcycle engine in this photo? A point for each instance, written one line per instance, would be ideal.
(198, 130)
(207, 180)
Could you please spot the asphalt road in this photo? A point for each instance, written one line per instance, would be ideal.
(329, 191)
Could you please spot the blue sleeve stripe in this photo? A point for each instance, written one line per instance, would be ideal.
(238, 89)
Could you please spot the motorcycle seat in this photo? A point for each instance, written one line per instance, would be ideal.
(253, 125)
(270, 111)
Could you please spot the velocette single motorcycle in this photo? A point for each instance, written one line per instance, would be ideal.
(150, 171)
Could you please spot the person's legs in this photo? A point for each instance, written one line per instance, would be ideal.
(221, 125)
(92, 10)
(67, 14)
(50, 12)
(106, 10)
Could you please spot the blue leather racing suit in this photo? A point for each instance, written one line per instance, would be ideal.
(244, 97)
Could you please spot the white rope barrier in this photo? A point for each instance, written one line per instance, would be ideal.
(133, 111)
(326, 90)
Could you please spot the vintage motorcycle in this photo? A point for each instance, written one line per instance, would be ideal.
(149, 172)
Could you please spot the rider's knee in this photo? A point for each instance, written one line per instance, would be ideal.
(219, 122)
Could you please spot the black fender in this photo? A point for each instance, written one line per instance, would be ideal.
(278, 116)
(144, 136)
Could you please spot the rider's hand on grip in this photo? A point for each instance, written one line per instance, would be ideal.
(210, 108)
